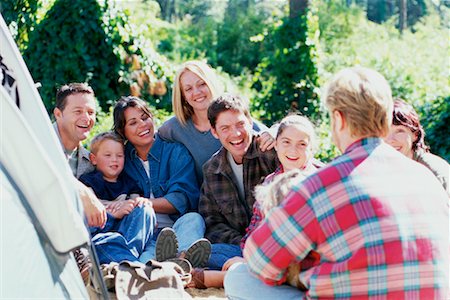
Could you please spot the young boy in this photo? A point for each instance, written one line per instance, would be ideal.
(120, 195)
(131, 219)
(117, 191)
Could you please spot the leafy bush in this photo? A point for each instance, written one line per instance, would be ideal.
(77, 45)
(286, 79)
(235, 49)
(20, 16)
(435, 120)
(415, 70)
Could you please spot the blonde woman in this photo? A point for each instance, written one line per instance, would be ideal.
(195, 86)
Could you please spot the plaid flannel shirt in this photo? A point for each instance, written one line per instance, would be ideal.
(226, 215)
(378, 219)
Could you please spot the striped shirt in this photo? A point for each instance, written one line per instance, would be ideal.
(378, 220)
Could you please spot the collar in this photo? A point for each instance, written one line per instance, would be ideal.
(253, 150)
(82, 152)
(224, 166)
(370, 142)
(154, 153)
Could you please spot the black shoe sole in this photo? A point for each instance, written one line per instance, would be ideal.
(198, 253)
(166, 245)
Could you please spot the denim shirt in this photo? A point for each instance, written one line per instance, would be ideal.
(172, 174)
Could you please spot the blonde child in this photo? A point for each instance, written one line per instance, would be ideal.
(131, 220)
(108, 182)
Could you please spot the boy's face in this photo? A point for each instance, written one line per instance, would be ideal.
(109, 159)
(234, 130)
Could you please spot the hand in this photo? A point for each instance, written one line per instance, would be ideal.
(94, 210)
(266, 141)
(141, 201)
(119, 209)
(231, 262)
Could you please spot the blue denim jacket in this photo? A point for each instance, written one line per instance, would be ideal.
(172, 174)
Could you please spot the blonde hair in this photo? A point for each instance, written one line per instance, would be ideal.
(272, 194)
(364, 97)
(303, 124)
(182, 110)
(104, 136)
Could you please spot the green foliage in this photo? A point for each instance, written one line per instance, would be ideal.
(382, 11)
(286, 79)
(104, 122)
(156, 43)
(184, 40)
(77, 45)
(415, 70)
(280, 61)
(20, 16)
(435, 120)
(235, 49)
(173, 9)
(187, 30)
(326, 148)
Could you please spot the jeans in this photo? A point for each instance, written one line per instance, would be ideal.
(220, 253)
(188, 228)
(124, 239)
(239, 283)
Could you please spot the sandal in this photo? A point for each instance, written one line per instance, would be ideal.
(186, 278)
(183, 263)
(166, 245)
(198, 279)
(109, 272)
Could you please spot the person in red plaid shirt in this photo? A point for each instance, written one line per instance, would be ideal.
(378, 219)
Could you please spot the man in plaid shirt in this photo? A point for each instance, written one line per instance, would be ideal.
(226, 198)
(378, 219)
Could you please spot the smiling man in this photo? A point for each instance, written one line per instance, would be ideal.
(231, 174)
(75, 116)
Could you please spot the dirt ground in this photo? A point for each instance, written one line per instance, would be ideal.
(210, 293)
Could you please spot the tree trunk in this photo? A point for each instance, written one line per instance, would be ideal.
(297, 7)
(402, 15)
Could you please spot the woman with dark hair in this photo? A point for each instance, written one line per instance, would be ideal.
(165, 172)
(407, 136)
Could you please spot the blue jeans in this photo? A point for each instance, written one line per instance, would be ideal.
(188, 228)
(220, 253)
(239, 283)
(124, 239)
